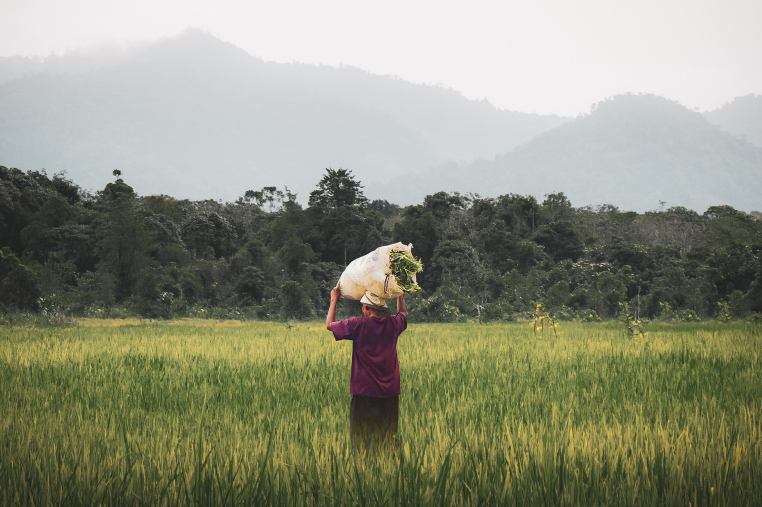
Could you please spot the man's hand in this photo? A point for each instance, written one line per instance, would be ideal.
(401, 305)
(336, 292)
(335, 295)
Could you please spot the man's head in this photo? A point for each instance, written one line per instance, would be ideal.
(373, 305)
(373, 311)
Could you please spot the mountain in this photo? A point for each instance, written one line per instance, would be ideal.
(742, 117)
(632, 151)
(196, 117)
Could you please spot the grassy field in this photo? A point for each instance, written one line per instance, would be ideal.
(203, 412)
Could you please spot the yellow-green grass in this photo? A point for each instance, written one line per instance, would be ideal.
(167, 413)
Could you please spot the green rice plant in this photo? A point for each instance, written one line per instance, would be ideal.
(231, 413)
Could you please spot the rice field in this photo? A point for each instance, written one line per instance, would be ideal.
(230, 413)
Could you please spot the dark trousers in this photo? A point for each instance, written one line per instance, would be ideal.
(373, 421)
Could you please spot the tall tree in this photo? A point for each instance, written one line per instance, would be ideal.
(340, 209)
(337, 190)
(123, 238)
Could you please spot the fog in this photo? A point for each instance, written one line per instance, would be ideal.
(548, 57)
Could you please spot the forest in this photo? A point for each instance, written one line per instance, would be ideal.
(67, 253)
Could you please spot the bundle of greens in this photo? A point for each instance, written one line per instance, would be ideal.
(401, 265)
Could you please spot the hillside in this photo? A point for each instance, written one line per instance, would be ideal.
(632, 151)
(741, 117)
(196, 117)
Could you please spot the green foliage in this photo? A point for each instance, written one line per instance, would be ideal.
(560, 241)
(340, 211)
(163, 205)
(123, 245)
(21, 196)
(423, 230)
(209, 235)
(442, 204)
(401, 265)
(157, 294)
(589, 315)
(55, 212)
(292, 223)
(250, 285)
(34, 237)
(385, 208)
(558, 207)
(295, 254)
(521, 214)
(18, 285)
(558, 295)
(338, 189)
(93, 295)
(295, 302)
(436, 308)
(487, 259)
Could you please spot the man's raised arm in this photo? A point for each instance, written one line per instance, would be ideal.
(401, 305)
(335, 295)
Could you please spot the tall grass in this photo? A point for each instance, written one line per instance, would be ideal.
(257, 414)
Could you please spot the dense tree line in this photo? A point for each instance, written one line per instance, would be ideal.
(115, 253)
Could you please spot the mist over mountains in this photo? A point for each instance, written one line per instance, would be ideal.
(741, 117)
(195, 117)
(632, 151)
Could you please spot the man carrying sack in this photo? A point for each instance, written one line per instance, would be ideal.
(375, 379)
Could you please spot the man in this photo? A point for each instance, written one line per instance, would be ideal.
(375, 380)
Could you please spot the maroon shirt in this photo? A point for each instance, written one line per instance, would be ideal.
(375, 367)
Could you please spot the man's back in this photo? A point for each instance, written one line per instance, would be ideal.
(375, 366)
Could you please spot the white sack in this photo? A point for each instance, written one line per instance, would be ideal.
(368, 274)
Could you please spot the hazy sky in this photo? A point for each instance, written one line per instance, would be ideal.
(533, 56)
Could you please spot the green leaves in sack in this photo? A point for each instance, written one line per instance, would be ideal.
(402, 265)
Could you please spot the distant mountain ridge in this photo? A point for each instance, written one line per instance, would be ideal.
(196, 117)
(741, 117)
(632, 151)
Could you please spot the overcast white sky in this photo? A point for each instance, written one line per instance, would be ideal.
(533, 56)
